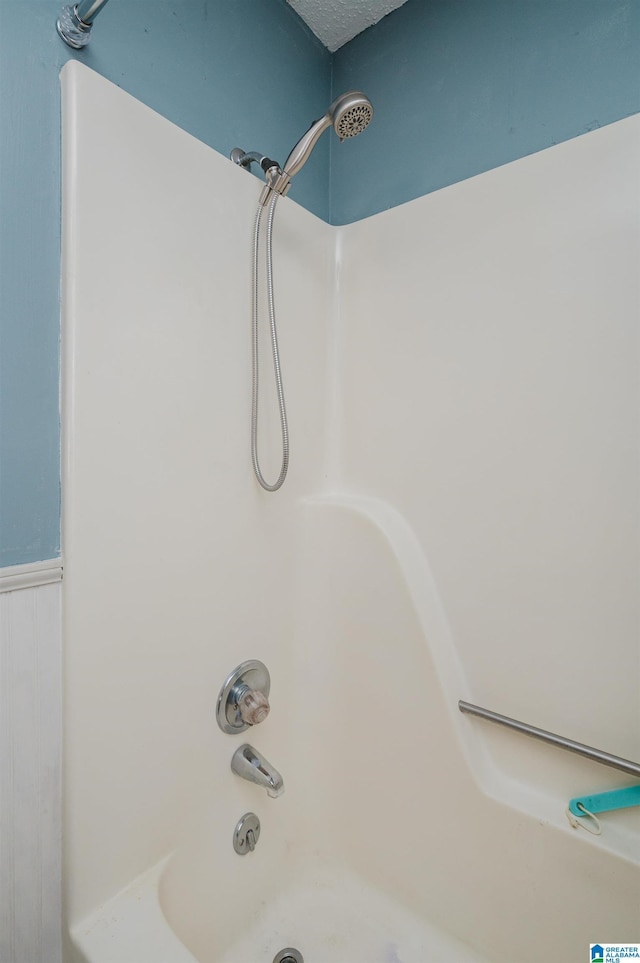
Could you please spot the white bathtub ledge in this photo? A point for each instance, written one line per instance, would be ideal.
(130, 926)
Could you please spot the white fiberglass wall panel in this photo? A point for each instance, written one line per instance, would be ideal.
(480, 413)
(172, 550)
(491, 394)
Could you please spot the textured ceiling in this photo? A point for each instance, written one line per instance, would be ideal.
(335, 22)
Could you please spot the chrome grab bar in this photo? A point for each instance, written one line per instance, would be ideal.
(606, 758)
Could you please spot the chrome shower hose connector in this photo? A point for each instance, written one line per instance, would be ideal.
(277, 180)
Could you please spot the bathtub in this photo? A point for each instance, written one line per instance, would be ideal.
(332, 913)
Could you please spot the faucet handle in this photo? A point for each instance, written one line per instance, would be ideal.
(243, 698)
(253, 706)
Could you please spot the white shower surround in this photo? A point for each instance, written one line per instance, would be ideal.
(461, 377)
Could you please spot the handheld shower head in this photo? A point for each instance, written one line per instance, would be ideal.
(349, 114)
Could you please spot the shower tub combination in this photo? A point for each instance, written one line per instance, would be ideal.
(388, 579)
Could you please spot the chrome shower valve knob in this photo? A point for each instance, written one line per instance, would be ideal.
(253, 706)
(243, 699)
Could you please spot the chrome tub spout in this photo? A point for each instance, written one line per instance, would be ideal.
(249, 764)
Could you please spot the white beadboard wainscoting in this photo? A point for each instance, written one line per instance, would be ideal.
(30, 753)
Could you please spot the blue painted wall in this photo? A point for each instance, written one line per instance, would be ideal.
(225, 71)
(462, 86)
(459, 86)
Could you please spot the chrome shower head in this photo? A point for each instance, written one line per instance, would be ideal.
(349, 114)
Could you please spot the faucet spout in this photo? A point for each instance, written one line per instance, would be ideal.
(249, 764)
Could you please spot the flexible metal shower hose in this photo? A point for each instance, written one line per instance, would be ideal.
(274, 347)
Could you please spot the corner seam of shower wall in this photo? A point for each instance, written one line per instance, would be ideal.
(334, 381)
(331, 145)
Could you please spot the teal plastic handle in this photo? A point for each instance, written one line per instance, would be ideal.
(603, 802)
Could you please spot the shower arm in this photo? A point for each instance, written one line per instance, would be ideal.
(75, 22)
(246, 158)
